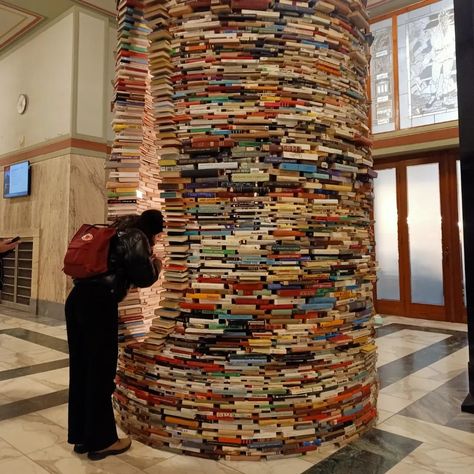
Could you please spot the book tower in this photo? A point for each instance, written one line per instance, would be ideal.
(133, 171)
(263, 341)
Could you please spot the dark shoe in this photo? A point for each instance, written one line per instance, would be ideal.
(80, 449)
(98, 455)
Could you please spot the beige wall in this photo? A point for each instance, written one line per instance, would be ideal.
(66, 191)
(93, 76)
(66, 70)
(42, 69)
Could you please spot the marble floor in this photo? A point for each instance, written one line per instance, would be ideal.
(422, 368)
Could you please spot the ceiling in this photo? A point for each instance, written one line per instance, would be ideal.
(379, 7)
(19, 17)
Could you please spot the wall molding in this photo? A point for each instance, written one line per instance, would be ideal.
(62, 146)
(30, 18)
(104, 11)
(430, 137)
(45, 25)
(431, 146)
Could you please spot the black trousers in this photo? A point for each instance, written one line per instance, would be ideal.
(92, 333)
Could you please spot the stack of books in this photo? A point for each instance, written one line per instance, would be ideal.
(123, 164)
(133, 164)
(149, 198)
(131, 72)
(263, 345)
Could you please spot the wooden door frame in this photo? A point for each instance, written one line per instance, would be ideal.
(453, 309)
(452, 260)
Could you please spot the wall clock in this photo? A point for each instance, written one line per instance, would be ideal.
(22, 103)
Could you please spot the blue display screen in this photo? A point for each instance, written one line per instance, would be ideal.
(16, 180)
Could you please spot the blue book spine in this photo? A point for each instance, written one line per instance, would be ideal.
(322, 306)
(322, 299)
(199, 195)
(236, 317)
(298, 167)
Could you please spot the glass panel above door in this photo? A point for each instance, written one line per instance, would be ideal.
(381, 75)
(427, 65)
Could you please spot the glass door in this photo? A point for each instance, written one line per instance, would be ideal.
(425, 246)
(386, 236)
(417, 241)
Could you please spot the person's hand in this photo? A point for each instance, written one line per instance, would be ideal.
(6, 245)
(158, 238)
(157, 263)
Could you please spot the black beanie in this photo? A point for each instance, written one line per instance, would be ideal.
(150, 223)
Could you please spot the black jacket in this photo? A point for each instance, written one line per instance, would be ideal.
(130, 263)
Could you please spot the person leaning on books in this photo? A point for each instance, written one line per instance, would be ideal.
(92, 332)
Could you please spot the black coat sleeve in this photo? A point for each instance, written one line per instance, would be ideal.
(138, 260)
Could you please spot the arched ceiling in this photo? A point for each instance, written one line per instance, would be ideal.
(19, 17)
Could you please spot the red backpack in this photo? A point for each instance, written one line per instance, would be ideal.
(88, 252)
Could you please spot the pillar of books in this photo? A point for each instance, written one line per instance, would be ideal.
(263, 344)
(133, 163)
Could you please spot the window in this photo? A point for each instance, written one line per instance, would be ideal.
(381, 73)
(425, 80)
